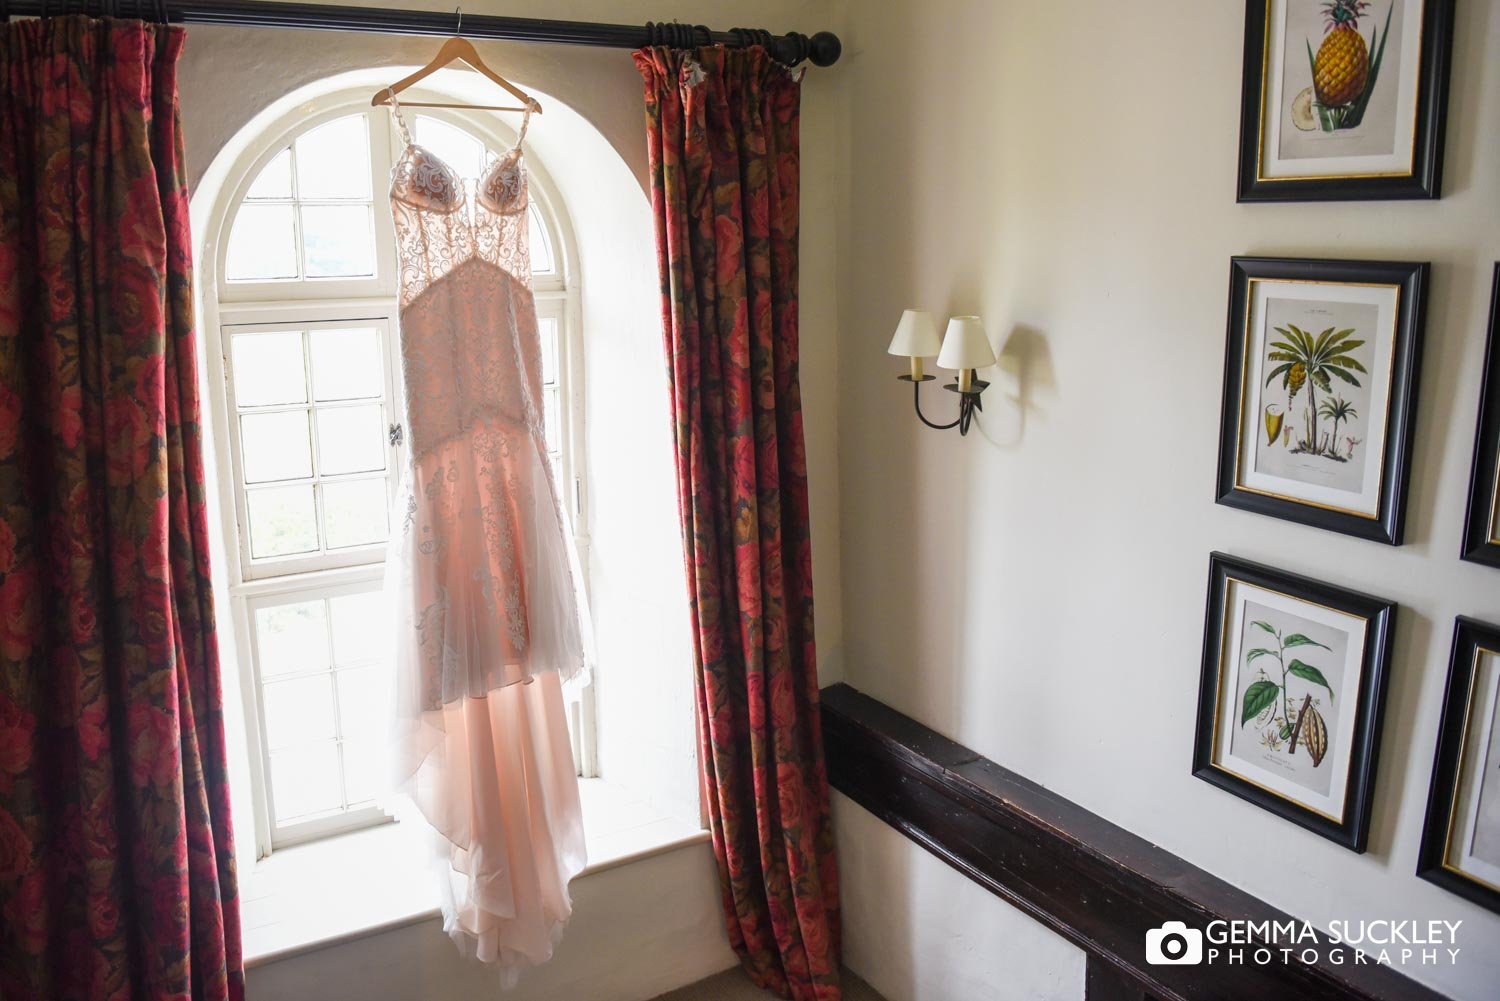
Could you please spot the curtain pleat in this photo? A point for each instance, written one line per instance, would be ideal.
(722, 128)
(117, 874)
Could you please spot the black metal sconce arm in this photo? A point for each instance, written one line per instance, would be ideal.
(968, 402)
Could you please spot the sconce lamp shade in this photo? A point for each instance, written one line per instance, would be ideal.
(916, 336)
(965, 345)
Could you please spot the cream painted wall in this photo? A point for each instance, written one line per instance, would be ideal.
(917, 928)
(1036, 591)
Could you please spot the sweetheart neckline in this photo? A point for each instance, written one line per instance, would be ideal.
(516, 149)
(461, 183)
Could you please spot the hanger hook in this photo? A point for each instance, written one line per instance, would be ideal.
(459, 10)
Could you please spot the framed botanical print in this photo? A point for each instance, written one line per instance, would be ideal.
(1482, 525)
(1344, 99)
(1461, 838)
(1291, 694)
(1320, 385)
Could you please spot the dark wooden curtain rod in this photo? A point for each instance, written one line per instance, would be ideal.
(822, 49)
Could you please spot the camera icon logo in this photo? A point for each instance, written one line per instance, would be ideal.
(1174, 944)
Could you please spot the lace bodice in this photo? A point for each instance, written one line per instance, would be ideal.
(439, 226)
(469, 343)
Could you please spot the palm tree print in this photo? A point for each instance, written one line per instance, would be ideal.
(1314, 362)
(1340, 411)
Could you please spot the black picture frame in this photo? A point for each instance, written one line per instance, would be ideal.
(1426, 174)
(1387, 525)
(1352, 829)
(1481, 534)
(1469, 637)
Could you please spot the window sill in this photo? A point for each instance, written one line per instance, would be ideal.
(329, 891)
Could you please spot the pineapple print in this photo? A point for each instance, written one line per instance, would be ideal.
(1341, 69)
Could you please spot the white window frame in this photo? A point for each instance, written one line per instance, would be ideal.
(297, 303)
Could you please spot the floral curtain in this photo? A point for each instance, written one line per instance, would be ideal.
(116, 866)
(722, 129)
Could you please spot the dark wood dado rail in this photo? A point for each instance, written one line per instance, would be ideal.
(1094, 883)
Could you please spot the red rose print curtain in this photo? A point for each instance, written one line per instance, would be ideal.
(116, 867)
(723, 136)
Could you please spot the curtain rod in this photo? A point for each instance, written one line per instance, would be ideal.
(822, 49)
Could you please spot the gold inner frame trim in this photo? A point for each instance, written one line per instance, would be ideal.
(1239, 431)
(1463, 744)
(1265, 86)
(1494, 538)
(1219, 696)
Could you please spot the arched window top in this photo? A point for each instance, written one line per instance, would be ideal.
(308, 220)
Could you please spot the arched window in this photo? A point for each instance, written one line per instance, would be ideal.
(301, 303)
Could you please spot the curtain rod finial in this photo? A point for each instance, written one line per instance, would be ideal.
(825, 48)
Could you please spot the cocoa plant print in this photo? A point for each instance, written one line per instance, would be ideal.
(1268, 703)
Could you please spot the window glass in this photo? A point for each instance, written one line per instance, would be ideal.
(268, 368)
(283, 521)
(262, 243)
(542, 261)
(323, 717)
(354, 513)
(339, 241)
(333, 161)
(309, 214)
(350, 439)
(347, 364)
(291, 638)
(463, 154)
(275, 181)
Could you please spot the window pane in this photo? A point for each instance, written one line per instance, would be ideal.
(346, 364)
(333, 160)
(275, 180)
(547, 329)
(363, 770)
(306, 781)
(453, 146)
(268, 368)
(275, 447)
(354, 513)
(358, 627)
(542, 261)
(350, 439)
(361, 701)
(262, 244)
(298, 711)
(338, 241)
(282, 521)
(291, 638)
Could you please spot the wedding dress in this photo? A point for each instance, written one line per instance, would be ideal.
(486, 616)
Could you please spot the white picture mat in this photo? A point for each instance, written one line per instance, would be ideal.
(1477, 735)
(1404, 64)
(1235, 594)
(1252, 394)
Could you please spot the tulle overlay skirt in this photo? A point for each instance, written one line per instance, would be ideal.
(482, 583)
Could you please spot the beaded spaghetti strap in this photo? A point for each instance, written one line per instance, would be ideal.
(531, 106)
(401, 120)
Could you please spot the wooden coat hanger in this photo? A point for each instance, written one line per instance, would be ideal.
(457, 49)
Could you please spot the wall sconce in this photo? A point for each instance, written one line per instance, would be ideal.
(964, 347)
